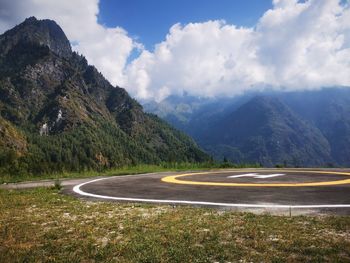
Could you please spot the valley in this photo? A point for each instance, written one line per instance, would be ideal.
(291, 129)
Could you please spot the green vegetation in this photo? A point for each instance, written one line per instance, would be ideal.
(42, 225)
(58, 114)
(125, 170)
(99, 148)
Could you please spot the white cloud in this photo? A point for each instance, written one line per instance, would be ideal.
(201, 58)
(106, 48)
(305, 45)
(295, 45)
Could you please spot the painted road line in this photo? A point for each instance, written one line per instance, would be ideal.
(255, 175)
(77, 190)
(174, 179)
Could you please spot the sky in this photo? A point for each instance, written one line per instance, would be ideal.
(206, 48)
(149, 21)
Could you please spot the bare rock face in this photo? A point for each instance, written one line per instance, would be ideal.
(43, 32)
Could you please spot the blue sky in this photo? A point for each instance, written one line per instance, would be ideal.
(158, 48)
(150, 20)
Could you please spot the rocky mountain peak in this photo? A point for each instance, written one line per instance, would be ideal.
(33, 31)
(58, 113)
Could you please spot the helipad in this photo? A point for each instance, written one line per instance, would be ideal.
(264, 174)
(322, 190)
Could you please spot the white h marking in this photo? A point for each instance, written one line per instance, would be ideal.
(255, 175)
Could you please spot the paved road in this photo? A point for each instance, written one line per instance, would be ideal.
(298, 191)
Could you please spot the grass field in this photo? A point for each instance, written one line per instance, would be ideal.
(42, 225)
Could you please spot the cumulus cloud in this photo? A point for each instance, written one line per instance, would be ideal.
(106, 48)
(305, 45)
(200, 58)
(295, 45)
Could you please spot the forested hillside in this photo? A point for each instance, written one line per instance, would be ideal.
(58, 113)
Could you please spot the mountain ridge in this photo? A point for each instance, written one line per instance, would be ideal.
(268, 132)
(72, 118)
(323, 116)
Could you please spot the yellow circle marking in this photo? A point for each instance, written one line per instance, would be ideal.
(174, 179)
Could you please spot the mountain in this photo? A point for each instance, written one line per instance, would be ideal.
(329, 111)
(193, 115)
(59, 113)
(266, 131)
(305, 128)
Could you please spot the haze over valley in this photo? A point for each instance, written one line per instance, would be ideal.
(294, 129)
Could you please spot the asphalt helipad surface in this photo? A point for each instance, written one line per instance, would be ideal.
(297, 190)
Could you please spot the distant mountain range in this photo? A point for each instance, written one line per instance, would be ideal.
(305, 128)
(58, 113)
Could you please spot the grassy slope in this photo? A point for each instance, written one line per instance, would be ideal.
(41, 225)
(67, 175)
(137, 169)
